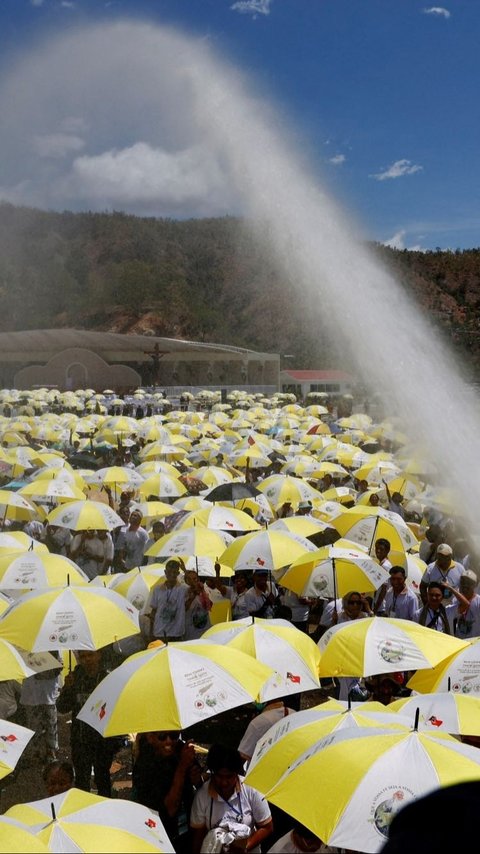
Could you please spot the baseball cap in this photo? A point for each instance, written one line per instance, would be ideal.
(444, 549)
(471, 575)
(305, 505)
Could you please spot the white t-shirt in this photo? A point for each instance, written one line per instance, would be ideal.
(254, 599)
(259, 726)
(327, 613)
(467, 625)
(169, 606)
(134, 544)
(300, 612)
(286, 845)
(246, 806)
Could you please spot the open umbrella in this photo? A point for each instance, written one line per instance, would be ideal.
(280, 488)
(382, 645)
(31, 570)
(364, 525)
(82, 822)
(13, 741)
(173, 686)
(293, 734)
(84, 516)
(331, 571)
(291, 653)
(234, 491)
(265, 550)
(68, 618)
(219, 518)
(193, 541)
(460, 671)
(385, 769)
(457, 714)
(18, 839)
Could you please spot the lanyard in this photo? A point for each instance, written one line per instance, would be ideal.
(238, 811)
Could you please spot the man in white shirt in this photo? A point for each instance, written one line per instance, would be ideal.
(466, 619)
(167, 616)
(259, 600)
(398, 601)
(273, 711)
(132, 542)
(445, 570)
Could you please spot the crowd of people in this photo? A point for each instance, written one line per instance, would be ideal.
(196, 797)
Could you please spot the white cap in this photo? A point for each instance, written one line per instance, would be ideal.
(444, 549)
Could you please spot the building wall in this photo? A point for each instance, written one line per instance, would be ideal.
(78, 368)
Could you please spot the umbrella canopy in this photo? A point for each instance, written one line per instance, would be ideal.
(136, 584)
(382, 645)
(173, 686)
(265, 550)
(305, 526)
(290, 652)
(163, 486)
(364, 525)
(15, 507)
(84, 516)
(286, 739)
(13, 741)
(194, 541)
(442, 712)
(68, 618)
(330, 572)
(280, 488)
(31, 570)
(18, 839)
(53, 491)
(231, 492)
(14, 663)
(357, 807)
(13, 540)
(81, 822)
(220, 518)
(460, 671)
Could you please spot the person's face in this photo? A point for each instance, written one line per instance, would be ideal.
(443, 562)
(397, 582)
(467, 587)
(224, 781)
(374, 501)
(381, 551)
(260, 581)
(90, 660)
(135, 519)
(191, 578)
(124, 513)
(385, 691)
(171, 574)
(434, 598)
(58, 781)
(164, 743)
(353, 606)
(240, 584)
(157, 532)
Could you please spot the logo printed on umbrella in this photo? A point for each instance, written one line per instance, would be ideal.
(294, 678)
(383, 813)
(435, 721)
(150, 822)
(10, 738)
(260, 561)
(391, 651)
(320, 583)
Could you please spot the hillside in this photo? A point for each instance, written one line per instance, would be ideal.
(200, 279)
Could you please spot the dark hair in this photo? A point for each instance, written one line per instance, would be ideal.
(172, 564)
(433, 584)
(304, 832)
(221, 756)
(395, 569)
(383, 542)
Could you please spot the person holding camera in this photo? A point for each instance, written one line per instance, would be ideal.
(260, 600)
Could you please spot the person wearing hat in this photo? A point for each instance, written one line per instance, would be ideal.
(304, 508)
(466, 619)
(445, 570)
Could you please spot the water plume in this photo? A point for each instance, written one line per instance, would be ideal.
(243, 152)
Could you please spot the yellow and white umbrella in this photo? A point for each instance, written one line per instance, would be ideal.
(364, 525)
(13, 741)
(53, 491)
(173, 686)
(68, 618)
(15, 507)
(304, 526)
(19, 541)
(218, 518)
(265, 550)
(136, 584)
(459, 672)
(382, 645)
(458, 714)
(85, 515)
(289, 652)
(330, 571)
(82, 822)
(280, 488)
(358, 806)
(18, 839)
(193, 541)
(162, 486)
(293, 734)
(31, 570)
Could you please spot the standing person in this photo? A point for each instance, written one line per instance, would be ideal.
(132, 542)
(226, 801)
(466, 619)
(197, 607)
(87, 550)
(237, 596)
(299, 607)
(434, 614)
(165, 774)
(398, 600)
(443, 569)
(88, 747)
(354, 607)
(167, 615)
(57, 540)
(38, 697)
(261, 598)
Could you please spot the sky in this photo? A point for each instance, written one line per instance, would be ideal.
(377, 98)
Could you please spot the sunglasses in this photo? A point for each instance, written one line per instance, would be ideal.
(354, 602)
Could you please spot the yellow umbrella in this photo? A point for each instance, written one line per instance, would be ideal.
(289, 652)
(19, 541)
(18, 839)
(53, 491)
(79, 821)
(264, 550)
(366, 524)
(194, 680)
(30, 570)
(85, 515)
(459, 672)
(366, 647)
(218, 518)
(304, 526)
(333, 571)
(193, 541)
(290, 736)
(163, 486)
(15, 507)
(68, 618)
